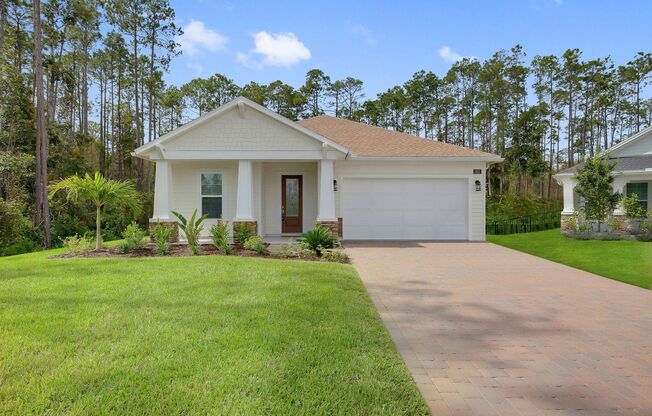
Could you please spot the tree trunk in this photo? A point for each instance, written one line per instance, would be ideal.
(98, 228)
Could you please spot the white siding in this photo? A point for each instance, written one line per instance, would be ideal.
(352, 168)
(639, 147)
(254, 132)
(271, 191)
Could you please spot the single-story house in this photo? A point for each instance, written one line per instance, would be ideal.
(246, 164)
(632, 160)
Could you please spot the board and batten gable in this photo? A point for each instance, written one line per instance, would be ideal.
(230, 131)
(420, 169)
(638, 147)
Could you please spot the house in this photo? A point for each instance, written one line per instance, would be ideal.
(632, 160)
(246, 164)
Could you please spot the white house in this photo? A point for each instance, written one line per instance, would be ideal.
(245, 163)
(632, 159)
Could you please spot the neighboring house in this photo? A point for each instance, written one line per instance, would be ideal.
(632, 159)
(245, 163)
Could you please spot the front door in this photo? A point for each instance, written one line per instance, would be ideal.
(292, 203)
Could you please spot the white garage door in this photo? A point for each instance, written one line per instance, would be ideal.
(405, 209)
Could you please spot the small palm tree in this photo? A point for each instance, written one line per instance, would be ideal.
(99, 191)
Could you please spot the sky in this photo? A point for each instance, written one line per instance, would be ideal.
(385, 42)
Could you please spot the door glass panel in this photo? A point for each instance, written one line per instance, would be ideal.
(292, 197)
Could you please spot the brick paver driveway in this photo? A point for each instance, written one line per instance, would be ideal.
(486, 330)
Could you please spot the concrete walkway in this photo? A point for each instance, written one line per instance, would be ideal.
(486, 330)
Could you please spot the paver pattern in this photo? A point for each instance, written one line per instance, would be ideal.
(486, 330)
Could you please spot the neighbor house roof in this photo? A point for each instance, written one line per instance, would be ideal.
(369, 141)
(622, 164)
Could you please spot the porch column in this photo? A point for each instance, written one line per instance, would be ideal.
(244, 200)
(326, 211)
(619, 185)
(162, 195)
(569, 196)
(162, 191)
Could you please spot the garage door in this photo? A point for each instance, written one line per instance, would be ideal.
(405, 209)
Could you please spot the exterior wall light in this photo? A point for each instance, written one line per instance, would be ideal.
(334, 185)
(478, 186)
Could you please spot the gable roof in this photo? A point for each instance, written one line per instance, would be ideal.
(634, 137)
(641, 163)
(240, 103)
(368, 141)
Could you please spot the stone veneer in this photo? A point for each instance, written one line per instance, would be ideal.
(334, 226)
(251, 224)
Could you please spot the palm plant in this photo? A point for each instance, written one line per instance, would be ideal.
(191, 228)
(99, 191)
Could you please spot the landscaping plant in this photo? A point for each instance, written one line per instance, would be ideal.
(76, 243)
(99, 191)
(255, 243)
(220, 236)
(162, 234)
(191, 228)
(633, 208)
(134, 238)
(318, 239)
(594, 185)
(241, 232)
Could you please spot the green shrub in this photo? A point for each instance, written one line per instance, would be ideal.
(191, 229)
(505, 206)
(16, 232)
(335, 255)
(255, 243)
(294, 250)
(241, 232)
(318, 239)
(76, 243)
(134, 238)
(633, 208)
(220, 236)
(161, 234)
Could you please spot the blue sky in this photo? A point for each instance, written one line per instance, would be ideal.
(385, 42)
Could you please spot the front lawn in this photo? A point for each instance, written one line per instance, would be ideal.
(198, 335)
(626, 261)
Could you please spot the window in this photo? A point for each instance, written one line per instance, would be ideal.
(211, 195)
(640, 189)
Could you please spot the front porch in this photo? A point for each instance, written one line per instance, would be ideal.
(279, 199)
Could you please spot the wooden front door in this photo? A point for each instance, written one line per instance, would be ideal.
(292, 203)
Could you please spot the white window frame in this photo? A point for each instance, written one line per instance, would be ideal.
(202, 196)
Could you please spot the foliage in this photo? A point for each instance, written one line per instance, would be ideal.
(134, 238)
(241, 232)
(191, 228)
(594, 186)
(77, 243)
(161, 234)
(220, 237)
(318, 239)
(624, 260)
(617, 224)
(99, 191)
(255, 243)
(511, 205)
(294, 250)
(16, 232)
(633, 208)
(336, 255)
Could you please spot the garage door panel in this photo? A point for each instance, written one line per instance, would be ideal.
(405, 209)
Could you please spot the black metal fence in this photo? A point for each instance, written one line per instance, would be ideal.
(525, 224)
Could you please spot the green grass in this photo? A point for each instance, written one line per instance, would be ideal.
(194, 336)
(626, 261)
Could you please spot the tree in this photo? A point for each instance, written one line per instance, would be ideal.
(335, 91)
(100, 192)
(594, 186)
(314, 90)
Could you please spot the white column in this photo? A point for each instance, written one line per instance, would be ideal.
(569, 196)
(619, 185)
(326, 210)
(244, 200)
(162, 190)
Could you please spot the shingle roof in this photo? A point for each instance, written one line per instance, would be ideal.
(370, 141)
(622, 164)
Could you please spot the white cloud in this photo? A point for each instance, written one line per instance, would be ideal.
(197, 69)
(558, 2)
(197, 38)
(364, 33)
(279, 49)
(449, 55)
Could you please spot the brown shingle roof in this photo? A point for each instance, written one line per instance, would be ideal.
(370, 141)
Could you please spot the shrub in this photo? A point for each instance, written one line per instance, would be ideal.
(617, 224)
(318, 239)
(220, 236)
(255, 243)
(75, 243)
(594, 185)
(191, 229)
(633, 208)
(241, 232)
(294, 250)
(335, 255)
(134, 238)
(161, 234)
(16, 230)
